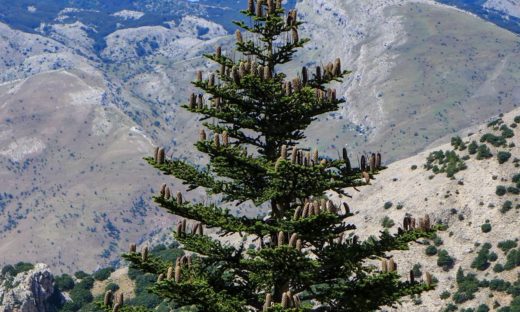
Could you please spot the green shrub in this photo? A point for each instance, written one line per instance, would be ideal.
(481, 261)
(414, 167)
(437, 241)
(503, 157)
(482, 308)
(445, 162)
(445, 295)
(483, 152)
(513, 190)
(501, 190)
(486, 227)
(388, 205)
(444, 260)
(80, 275)
(498, 268)
(472, 147)
(387, 223)
(467, 287)
(21, 267)
(102, 274)
(507, 245)
(112, 286)
(493, 139)
(499, 285)
(64, 282)
(8, 270)
(431, 250)
(508, 205)
(513, 259)
(507, 132)
(450, 308)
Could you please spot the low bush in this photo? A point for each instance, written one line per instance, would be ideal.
(486, 227)
(507, 245)
(444, 260)
(431, 250)
(501, 190)
(503, 157)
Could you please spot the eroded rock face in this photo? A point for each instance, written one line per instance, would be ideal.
(28, 291)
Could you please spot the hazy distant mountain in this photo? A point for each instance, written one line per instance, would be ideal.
(504, 13)
(88, 87)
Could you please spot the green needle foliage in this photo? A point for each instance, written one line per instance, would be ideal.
(254, 116)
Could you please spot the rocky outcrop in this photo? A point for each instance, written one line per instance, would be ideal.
(28, 291)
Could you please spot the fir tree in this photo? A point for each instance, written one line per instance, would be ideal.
(304, 249)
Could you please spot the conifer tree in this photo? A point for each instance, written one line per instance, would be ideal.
(303, 255)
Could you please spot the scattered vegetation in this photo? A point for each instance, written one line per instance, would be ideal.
(447, 162)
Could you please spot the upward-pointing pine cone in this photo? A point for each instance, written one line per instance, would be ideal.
(160, 159)
(373, 163)
(295, 36)
(238, 36)
(160, 278)
(211, 81)
(297, 213)
(285, 300)
(193, 101)
(292, 241)
(267, 73)
(384, 266)
(120, 298)
(144, 254)
(299, 245)
(163, 190)
(202, 135)
(294, 155)
(198, 76)
(225, 138)
(170, 274)
(156, 154)
(179, 198)
(251, 6)
(318, 73)
(268, 301)
(378, 160)
(216, 140)
(117, 306)
(428, 279)
(315, 156)
(305, 75)
(392, 266)
(236, 75)
(167, 193)
(366, 176)
(363, 163)
(270, 6)
(177, 273)
(200, 102)
(259, 9)
(179, 229)
(281, 238)
(107, 300)
(218, 52)
(283, 151)
(133, 248)
(337, 67)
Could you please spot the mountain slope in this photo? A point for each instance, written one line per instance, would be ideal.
(463, 203)
(420, 71)
(73, 183)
